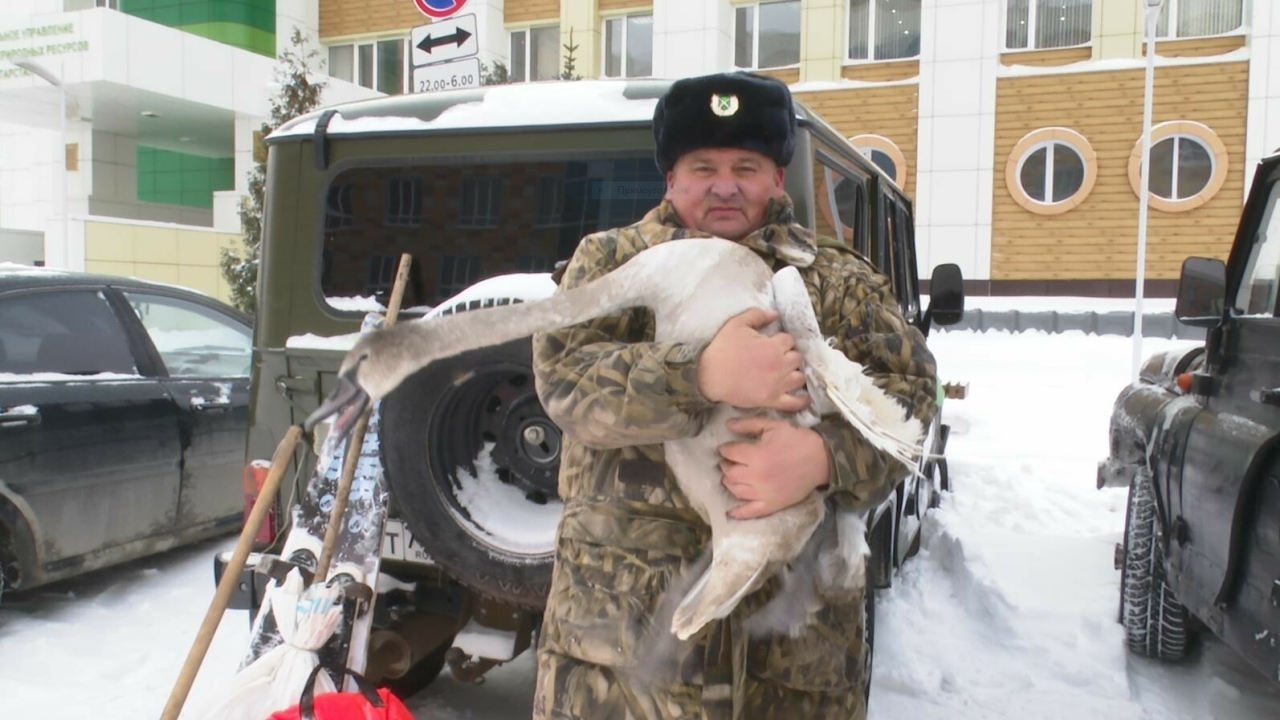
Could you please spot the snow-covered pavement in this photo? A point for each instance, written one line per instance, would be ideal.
(1008, 611)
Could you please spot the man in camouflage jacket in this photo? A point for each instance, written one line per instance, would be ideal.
(627, 531)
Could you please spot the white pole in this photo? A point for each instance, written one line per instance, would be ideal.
(61, 157)
(1153, 14)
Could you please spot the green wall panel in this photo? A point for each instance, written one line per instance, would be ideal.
(176, 178)
(246, 24)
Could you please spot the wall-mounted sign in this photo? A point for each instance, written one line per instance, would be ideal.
(453, 75)
(37, 41)
(444, 40)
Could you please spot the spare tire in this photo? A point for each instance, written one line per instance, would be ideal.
(472, 462)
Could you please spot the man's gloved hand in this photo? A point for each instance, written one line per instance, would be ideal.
(747, 369)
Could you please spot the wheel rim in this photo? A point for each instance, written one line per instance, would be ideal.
(505, 499)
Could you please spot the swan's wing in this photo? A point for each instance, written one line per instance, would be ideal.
(881, 418)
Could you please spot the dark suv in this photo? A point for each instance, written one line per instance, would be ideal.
(1195, 440)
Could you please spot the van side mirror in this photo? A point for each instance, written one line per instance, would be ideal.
(1201, 292)
(946, 297)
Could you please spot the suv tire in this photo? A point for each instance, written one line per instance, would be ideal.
(1155, 623)
(436, 423)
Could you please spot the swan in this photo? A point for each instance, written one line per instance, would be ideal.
(693, 286)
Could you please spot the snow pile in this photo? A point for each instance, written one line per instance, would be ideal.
(51, 377)
(1008, 612)
(356, 303)
(501, 514)
(519, 104)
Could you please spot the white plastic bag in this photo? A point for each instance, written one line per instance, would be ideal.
(275, 681)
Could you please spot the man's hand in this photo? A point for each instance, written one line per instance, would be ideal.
(747, 369)
(778, 469)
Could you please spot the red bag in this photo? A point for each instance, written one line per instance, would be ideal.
(370, 703)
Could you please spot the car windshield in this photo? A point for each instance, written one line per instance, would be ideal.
(465, 223)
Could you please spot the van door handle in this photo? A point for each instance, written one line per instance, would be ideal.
(1266, 396)
(23, 419)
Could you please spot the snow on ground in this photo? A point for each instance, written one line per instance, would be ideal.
(1007, 612)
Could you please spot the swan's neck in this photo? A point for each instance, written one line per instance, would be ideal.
(629, 286)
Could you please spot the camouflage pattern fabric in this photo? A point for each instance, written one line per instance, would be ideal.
(628, 532)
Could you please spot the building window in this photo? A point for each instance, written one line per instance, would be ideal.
(550, 201)
(535, 53)
(536, 263)
(109, 4)
(382, 274)
(338, 211)
(1044, 24)
(1051, 171)
(1188, 166)
(380, 65)
(884, 29)
(628, 46)
(404, 201)
(479, 203)
(885, 154)
(457, 273)
(1198, 18)
(767, 35)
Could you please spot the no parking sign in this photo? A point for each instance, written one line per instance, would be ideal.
(439, 9)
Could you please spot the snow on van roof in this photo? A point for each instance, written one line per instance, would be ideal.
(519, 104)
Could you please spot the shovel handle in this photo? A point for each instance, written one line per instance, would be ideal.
(231, 576)
(356, 443)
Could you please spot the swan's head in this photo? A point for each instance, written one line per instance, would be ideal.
(374, 367)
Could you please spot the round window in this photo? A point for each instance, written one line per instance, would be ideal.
(1188, 165)
(885, 154)
(1181, 167)
(1051, 171)
(884, 162)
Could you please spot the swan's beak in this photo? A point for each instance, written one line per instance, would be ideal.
(348, 400)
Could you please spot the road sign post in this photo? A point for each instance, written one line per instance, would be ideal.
(444, 41)
(445, 55)
(439, 9)
(452, 75)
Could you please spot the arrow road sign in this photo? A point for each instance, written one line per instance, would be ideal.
(445, 40)
(453, 75)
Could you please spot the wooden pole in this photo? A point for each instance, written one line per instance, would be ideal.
(231, 575)
(352, 457)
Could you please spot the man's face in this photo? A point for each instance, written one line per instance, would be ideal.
(723, 191)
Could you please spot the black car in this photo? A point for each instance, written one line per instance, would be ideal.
(123, 412)
(1197, 441)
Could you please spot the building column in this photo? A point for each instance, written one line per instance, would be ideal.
(583, 19)
(305, 16)
(491, 37)
(1263, 129)
(959, 57)
(822, 39)
(1119, 27)
(692, 37)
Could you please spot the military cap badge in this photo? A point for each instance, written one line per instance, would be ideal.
(724, 105)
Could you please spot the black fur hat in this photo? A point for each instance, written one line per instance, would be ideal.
(726, 110)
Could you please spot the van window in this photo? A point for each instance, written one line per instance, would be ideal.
(896, 258)
(466, 223)
(841, 196)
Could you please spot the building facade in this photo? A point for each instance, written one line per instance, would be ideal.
(143, 173)
(1015, 124)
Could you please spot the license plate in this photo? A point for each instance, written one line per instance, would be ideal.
(398, 543)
